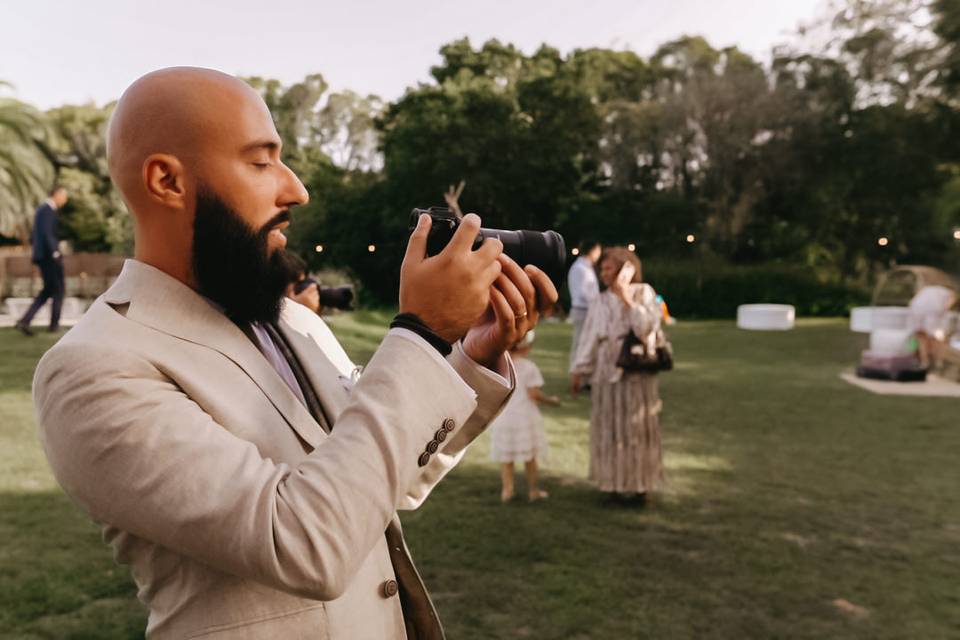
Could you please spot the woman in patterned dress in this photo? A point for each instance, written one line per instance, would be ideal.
(625, 455)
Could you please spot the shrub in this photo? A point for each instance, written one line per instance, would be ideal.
(715, 289)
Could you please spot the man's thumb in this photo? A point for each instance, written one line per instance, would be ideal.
(417, 246)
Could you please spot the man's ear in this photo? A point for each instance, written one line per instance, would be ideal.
(163, 178)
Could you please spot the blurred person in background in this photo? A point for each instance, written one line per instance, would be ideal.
(309, 295)
(927, 318)
(46, 255)
(625, 453)
(584, 287)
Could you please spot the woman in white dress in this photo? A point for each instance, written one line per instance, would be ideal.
(517, 434)
(625, 453)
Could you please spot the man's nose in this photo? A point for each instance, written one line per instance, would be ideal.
(293, 192)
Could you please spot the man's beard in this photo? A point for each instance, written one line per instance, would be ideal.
(232, 265)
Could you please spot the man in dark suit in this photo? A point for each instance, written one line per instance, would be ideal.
(46, 255)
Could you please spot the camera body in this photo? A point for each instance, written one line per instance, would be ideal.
(543, 249)
(335, 297)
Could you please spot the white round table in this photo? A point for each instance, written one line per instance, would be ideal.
(766, 317)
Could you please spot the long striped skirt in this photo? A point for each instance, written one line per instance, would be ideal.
(625, 454)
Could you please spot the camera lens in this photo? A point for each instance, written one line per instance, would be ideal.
(543, 249)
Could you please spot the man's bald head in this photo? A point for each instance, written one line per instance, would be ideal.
(196, 156)
(179, 111)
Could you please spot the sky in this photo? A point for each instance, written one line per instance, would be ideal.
(68, 52)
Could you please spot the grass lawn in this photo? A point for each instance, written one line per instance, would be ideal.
(788, 490)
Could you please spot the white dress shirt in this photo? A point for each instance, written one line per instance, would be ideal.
(582, 280)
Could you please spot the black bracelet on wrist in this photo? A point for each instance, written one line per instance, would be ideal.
(411, 322)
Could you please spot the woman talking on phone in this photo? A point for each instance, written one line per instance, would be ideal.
(625, 455)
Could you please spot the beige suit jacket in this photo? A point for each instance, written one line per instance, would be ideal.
(239, 516)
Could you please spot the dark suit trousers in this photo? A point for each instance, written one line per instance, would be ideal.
(53, 288)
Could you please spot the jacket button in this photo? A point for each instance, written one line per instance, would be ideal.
(440, 435)
(448, 425)
(432, 446)
(390, 588)
(423, 459)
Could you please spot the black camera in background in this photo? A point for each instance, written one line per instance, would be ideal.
(335, 297)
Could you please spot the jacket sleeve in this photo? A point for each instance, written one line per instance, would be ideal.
(492, 392)
(134, 451)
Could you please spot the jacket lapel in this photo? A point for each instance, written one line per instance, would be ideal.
(328, 367)
(160, 301)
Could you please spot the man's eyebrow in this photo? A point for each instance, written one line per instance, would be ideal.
(268, 145)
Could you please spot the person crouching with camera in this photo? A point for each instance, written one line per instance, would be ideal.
(302, 289)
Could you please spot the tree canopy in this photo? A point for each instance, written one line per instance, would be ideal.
(847, 135)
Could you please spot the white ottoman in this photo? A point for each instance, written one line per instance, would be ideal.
(861, 319)
(866, 319)
(889, 318)
(766, 317)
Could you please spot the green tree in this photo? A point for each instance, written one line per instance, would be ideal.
(520, 131)
(347, 130)
(320, 127)
(95, 218)
(889, 47)
(947, 26)
(862, 142)
(25, 173)
(715, 105)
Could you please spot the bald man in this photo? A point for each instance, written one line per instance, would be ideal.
(235, 457)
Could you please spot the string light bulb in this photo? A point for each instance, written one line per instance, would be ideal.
(319, 248)
(632, 247)
(371, 248)
(956, 234)
(883, 241)
(691, 238)
(575, 251)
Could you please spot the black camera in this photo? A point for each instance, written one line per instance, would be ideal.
(336, 297)
(543, 249)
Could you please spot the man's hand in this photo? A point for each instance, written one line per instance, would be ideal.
(309, 297)
(450, 291)
(517, 299)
